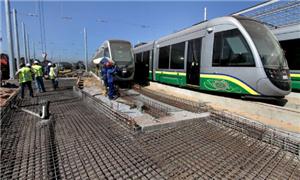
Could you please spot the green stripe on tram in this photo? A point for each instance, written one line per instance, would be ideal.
(295, 77)
(210, 82)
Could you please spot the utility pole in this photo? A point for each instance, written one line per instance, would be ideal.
(33, 51)
(85, 49)
(24, 41)
(1, 38)
(10, 41)
(28, 49)
(205, 18)
(16, 37)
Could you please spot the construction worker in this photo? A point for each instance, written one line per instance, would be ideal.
(53, 75)
(38, 73)
(103, 74)
(111, 70)
(25, 79)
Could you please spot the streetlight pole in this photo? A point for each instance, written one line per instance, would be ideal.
(85, 49)
(33, 51)
(28, 48)
(1, 38)
(10, 41)
(24, 41)
(205, 18)
(16, 37)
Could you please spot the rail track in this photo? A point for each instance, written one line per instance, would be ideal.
(85, 139)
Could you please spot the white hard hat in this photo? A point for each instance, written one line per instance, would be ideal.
(35, 62)
(49, 64)
(27, 64)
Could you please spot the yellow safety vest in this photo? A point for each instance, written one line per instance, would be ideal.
(52, 73)
(25, 75)
(38, 70)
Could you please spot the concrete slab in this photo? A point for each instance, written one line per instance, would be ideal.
(293, 101)
(115, 104)
(284, 118)
(175, 119)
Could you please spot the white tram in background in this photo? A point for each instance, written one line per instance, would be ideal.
(120, 51)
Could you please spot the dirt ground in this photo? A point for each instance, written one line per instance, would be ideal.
(5, 94)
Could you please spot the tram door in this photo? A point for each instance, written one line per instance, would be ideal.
(146, 56)
(193, 62)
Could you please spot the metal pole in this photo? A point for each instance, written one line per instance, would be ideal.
(1, 38)
(33, 51)
(10, 41)
(205, 14)
(28, 48)
(24, 41)
(85, 50)
(16, 37)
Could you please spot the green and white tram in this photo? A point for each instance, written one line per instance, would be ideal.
(227, 54)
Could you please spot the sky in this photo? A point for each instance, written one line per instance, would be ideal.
(135, 21)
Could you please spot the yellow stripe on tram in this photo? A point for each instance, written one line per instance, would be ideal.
(169, 73)
(166, 72)
(295, 75)
(231, 79)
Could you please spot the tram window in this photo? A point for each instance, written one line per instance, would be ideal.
(292, 53)
(231, 49)
(106, 52)
(177, 56)
(101, 53)
(164, 57)
(138, 57)
(194, 50)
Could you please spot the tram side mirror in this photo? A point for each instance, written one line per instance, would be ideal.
(209, 30)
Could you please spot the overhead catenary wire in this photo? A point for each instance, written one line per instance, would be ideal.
(100, 20)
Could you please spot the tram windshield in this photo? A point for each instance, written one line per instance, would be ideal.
(268, 48)
(121, 51)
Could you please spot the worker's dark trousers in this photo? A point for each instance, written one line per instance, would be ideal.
(40, 84)
(28, 84)
(54, 84)
(111, 90)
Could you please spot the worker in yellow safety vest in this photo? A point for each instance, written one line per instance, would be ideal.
(38, 74)
(25, 79)
(53, 75)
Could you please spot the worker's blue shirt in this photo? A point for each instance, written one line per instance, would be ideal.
(110, 74)
(104, 73)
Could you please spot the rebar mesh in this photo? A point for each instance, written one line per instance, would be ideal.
(84, 139)
(251, 128)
